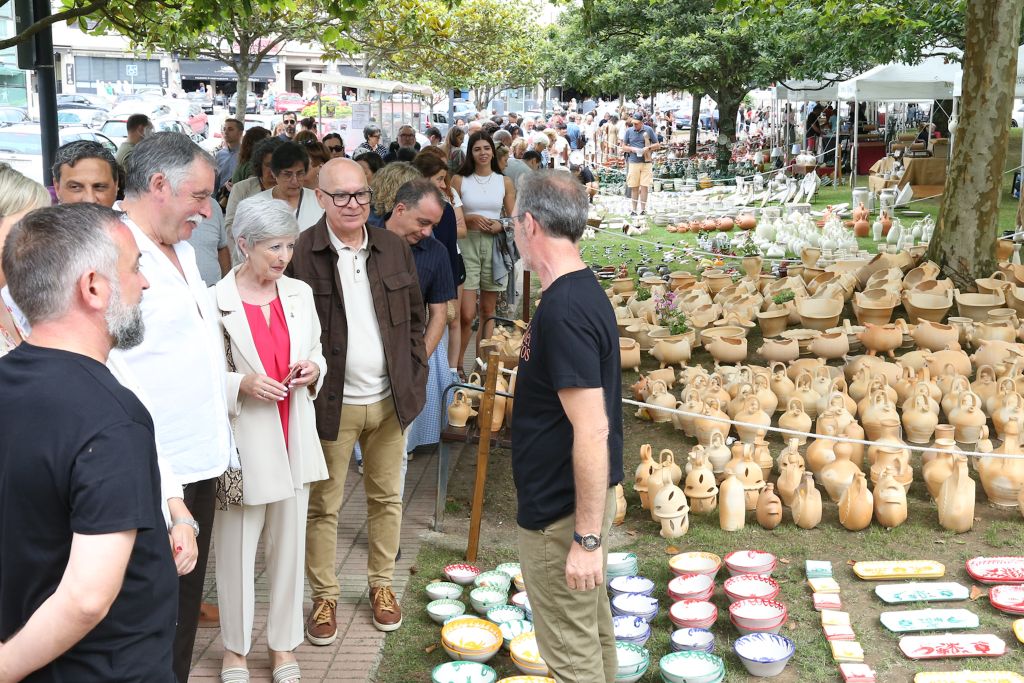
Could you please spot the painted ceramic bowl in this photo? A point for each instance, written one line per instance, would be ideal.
(461, 573)
(443, 590)
(512, 569)
(695, 563)
(503, 613)
(693, 614)
(699, 639)
(480, 656)
(748, 586)
(524, 648)
(757, 614)
(493, 579)
(764, 654)
(511, 629)
(519, 582)
(691, 587)
(631, 584)
(633, 661)
(750, 562)
(527, 679)
(483, 599)
(444, 609)
(744, 631)
(475, 640)
(691, 667)
(635, 605)
(621, 564)
(629, 629)
(463, 672)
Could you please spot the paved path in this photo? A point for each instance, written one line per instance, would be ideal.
(354, 656)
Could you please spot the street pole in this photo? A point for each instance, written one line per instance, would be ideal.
(46, 79)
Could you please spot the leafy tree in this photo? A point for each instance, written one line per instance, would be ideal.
(69, 10)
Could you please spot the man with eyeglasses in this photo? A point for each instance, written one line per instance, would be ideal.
(406, 140)
(335, 145)
(366, 283)
(290, 121)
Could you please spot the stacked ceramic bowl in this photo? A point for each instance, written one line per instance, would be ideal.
(502, 613)
(493, 579)
(635, 605)
(758, 616)
(695, 563)
(622, 564)
(634, 630)
(747, 586)
(484, 599)
(691, 587)
(511, 629)
(764, 654)
(463, 672)
(633, 661)
(461, 573)
(513, 569)
(690, 666)
(521, 599)
(526, 655)
(474, 640)
(1008, 599)
(750, 562)
(527, 679)
(443, 590)
(444, 609)
(695, 639)
(621, 585)
(693, 614)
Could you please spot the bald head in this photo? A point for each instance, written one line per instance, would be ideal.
(339, 170)
(344, 195)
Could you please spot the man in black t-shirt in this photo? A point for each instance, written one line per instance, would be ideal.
(88, 587)
(566, 434)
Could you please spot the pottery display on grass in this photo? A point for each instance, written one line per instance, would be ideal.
(779, 349)
(890, 501)
(701, 489)
(819, 314)
(919, 420)
(856, 505)
(644, 471)
(1003, 478)
(807, 504)
(977, 306)
(671, 351)
(938, 469)
(830, 345)
(838, 475)
(660, 396)
(629, 353)
(670, 507)
(732, 509)
(751, 413)
(773, 322)
(769, 508)
(956, 498)
(620, 505)
(791, 476)
(728, 349)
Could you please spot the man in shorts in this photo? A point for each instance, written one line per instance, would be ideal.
(638, 143)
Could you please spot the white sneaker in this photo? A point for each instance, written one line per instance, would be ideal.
(359, 466)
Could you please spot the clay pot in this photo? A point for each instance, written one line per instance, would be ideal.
(660, 396)
(882, 338)
(706, 427)
(779, 350)
(693, 404)
(644, 471)
(968, 418)
(977, 306)
(796, 419)
(1003, 478)
(762, 390)
(856, 505)
(620, 505)
(716, 280)
(935, 336)
(890, 501)
(746, 221)
(769, 508)
(956, 498)
(668, 464)
(718, 454)
(837, 476)
(680, 279)
(623, 285)
(807, 396)
(671, 351)
(819, 314)
(830, 345)
(807, 504)
(732, 509)
(919, 422)
(781, 385)
(752, 414)
(670, 508)
(728, 349)
(938, 469)
(701, 489)
(821, 451)
(1010, 408)
(861, 228)
(460, 410)
(773, 322)
(791, 472)
(886, 223)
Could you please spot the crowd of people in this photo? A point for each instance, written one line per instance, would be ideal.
(195, 345)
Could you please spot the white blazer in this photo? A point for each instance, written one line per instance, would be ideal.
(270, 472)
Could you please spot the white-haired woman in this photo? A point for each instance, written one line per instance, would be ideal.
(272, 338)
(18, 196)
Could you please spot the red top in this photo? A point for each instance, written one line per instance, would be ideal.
(273, 346)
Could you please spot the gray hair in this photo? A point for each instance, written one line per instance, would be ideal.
(556, 200)
(258, 219)
(502, 136)
(49, 249)
(19, 192)
(370, 130)
(171, 154)
(411, 193)
(73, 152)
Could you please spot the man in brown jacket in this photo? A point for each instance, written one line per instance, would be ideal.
(364, 281)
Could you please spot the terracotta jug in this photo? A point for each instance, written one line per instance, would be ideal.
(820, 452)
(792, 475)
(763, 457)
(701, 489)
(919, 422)
(924, 391)
(807, 504)
(856, 505)
(643, 474)
(498, 411)
(879, 408)
(968, 419)
(1003, 478)
(705, 427)
(855, 431)
(1010, 410)
(752, 478)
(732, 507)
(951, 399)
(888, 436)
(668, 462)
(790, 454)
(942, 431)
(769, 508)
(886, 223)
(742, 393)
(629, 354)
(890, 501)
(474, 394)
(837, 476)
(654, 484)
(460, 410)
(693, 405)
(660, 396)
(938, 469)
(764, 394)
(620, 505)
(718, 454)
(781, 385)
(671, 508)
(986, 386)
(808, 397)
(956, 498)
(751, 413)
(796, 419)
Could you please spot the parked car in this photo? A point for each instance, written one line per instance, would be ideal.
(437, 119)
(116, 129)
(9, 115)
(202, 99)
(683, 119)
(92, 118)
(21, 145)
(252, 104)
(288, 101)
(84, 101)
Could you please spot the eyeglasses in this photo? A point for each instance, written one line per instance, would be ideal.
(337, 149)
(510, 221)
(289, 122)
(291, 175)
(342, 199)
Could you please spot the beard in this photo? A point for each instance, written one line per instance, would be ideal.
(124, 323)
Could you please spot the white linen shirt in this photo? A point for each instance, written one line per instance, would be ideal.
(366, 369)
(179, 371)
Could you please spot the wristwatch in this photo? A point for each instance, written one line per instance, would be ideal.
(187, 521)
(590, 542)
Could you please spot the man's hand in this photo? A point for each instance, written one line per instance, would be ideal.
(583, 569)
(184, 548)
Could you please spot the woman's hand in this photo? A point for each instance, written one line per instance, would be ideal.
(263, 388)
(307, 373)
(477, 222)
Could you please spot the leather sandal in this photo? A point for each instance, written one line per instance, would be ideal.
(287, 673)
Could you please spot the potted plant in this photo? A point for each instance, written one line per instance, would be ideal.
(671, 319)
(751, 257)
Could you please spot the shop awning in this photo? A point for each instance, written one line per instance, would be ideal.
(374, 84)
(208, 69)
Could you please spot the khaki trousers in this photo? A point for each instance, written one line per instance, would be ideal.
(283, 527)
(380, 438)
(574, 628)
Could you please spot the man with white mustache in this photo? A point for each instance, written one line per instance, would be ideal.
(179, 369)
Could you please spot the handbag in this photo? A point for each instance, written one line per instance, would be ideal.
(229, 484)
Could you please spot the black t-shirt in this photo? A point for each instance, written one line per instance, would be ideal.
(77, 455)
(586, 176)
(572, 342)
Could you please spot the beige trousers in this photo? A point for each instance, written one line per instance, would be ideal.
(380, 438)
(574, 628)
(282, 526)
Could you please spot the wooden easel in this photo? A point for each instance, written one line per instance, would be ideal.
(483, 453)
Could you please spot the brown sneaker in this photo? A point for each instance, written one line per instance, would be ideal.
(387, 613)
(321, 626)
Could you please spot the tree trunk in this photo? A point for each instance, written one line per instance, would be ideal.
(691, 150)
(728, 109)
(242, 69)
(964, 239)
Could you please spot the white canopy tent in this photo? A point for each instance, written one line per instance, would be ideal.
(803, 91)
(374, 84)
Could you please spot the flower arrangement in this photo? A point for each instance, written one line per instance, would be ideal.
(748, 248)
(668, 315)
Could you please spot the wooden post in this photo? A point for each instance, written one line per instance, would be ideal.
(526, 294)
(483, 451)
